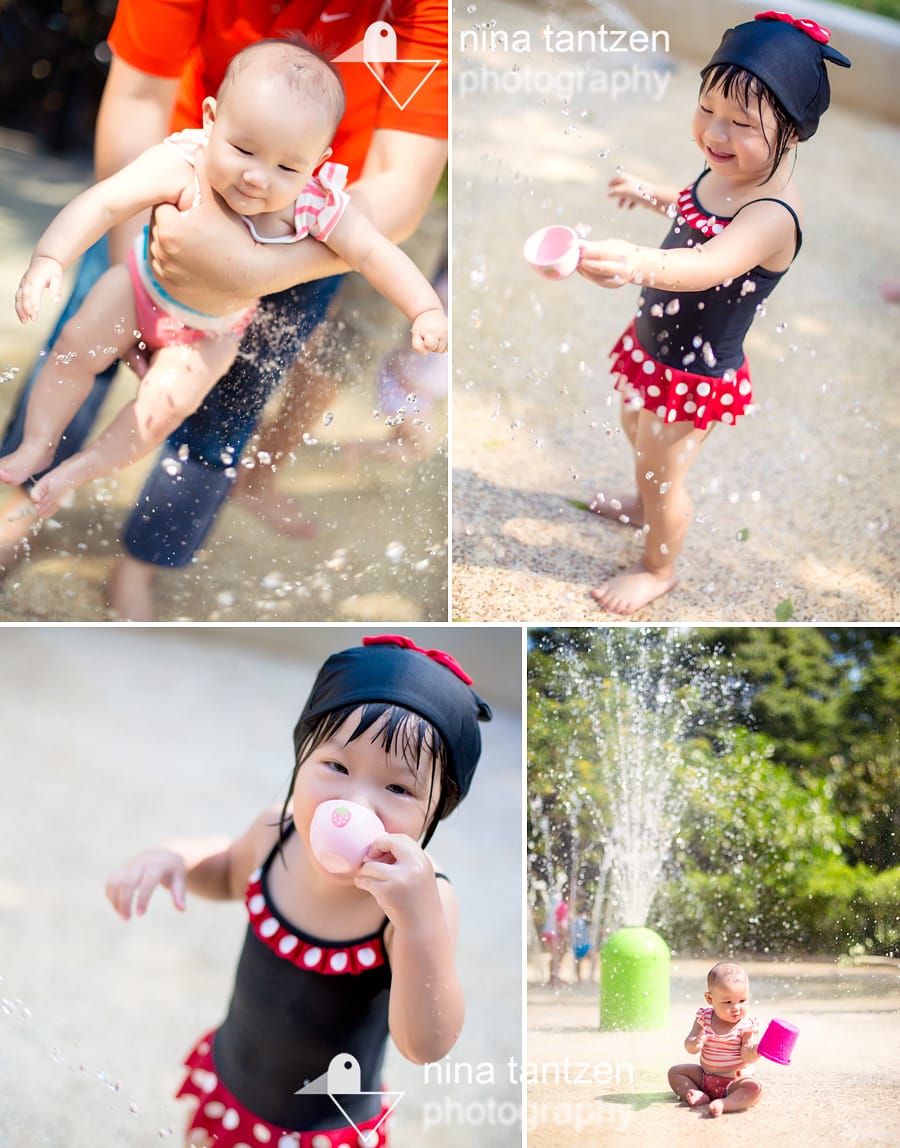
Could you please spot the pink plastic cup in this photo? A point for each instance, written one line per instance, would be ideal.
(340, 834)
(778, 1041)
(553, 251)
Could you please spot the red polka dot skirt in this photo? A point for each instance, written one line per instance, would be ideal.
(221, 1116)
(674, 395)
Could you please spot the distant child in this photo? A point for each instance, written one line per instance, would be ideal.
(333, 963)
(735, 231)
(264, 134)
(726, 1039)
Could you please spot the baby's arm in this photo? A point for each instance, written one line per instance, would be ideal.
(759, 234)
(630, 190)
(212, 867)
(693, 1042)
(157, 176)
(426, 1005)
(362, 246)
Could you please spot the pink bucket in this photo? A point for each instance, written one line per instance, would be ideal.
(778, 1041)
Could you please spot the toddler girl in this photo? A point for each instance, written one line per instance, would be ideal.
(735, 232)
(334, 962)
(263, 136)
(726, 1039)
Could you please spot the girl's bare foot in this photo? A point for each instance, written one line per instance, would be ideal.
(23, 463)
(635, 588)
(628, 509)
(716, 1108)
(696, 1097)
(130, 590)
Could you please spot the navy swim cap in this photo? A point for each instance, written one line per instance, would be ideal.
(393, 669)
(788, 56)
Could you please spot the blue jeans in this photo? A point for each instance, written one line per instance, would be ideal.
(176, 507)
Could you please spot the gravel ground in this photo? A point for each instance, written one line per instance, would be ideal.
(798, 503)
(114, 739)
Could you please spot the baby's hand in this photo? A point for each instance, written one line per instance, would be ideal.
(43, 273)
(608, 262)
(398, 874)
(750, 1038)
(629, 190)
(429, 331)
(141, 875)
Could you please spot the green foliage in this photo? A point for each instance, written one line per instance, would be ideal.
(889, 8)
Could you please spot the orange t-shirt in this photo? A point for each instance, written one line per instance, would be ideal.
(195, 39)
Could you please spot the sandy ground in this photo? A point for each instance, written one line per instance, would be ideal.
(380, 551)
(840, 1090)
(114, 738)
(798, 503)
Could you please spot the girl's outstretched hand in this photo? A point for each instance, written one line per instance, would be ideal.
(43, 274)
(141, 875)
(608, 262)
(398, 874)
(629, 190)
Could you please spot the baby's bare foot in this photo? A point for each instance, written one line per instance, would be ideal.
(18, 519)
(695, 1097)
(129, 590)
(23, 463)
(627, 509)
(717, 1107)
(635, 588)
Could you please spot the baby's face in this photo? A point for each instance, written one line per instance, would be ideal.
(730, 1000)
(264, 144)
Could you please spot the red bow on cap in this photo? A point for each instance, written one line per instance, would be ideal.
(810, 27)
(408, 644)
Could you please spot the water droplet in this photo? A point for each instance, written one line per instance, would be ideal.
(327, 418)
(780, 327)
(263, 457)
(308, 439)
(171, 466)
(673, 306)
(8, 374)
(394, 552)
(225, 598)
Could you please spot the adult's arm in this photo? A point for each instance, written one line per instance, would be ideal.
(397, 183)
(133, 116)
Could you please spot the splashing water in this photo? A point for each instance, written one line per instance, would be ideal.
(633, 702)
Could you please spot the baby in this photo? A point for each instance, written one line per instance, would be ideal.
(264, 135)
(726, 1039)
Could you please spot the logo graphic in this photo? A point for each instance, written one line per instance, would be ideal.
(379, 47)
(343, 1079)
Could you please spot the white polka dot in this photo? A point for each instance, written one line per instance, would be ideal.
(230, 1120)
(701, 411)
(366, 956)
(215, 1108)
(744, 386)
(288, 1142)
(255, 875)
(637, 354)
(661, 412)
(668, 375)
(726, 399)
(312, 957)
(203, 1047)
(703, 388)
(717, 227)
(367, 1139)
(269, 927)
(338, 962)
(729, 376)
(242, 1144)
(689, 407)
(262, 1134)
(649, 367)
(627, 343)
(256, 904)
(671, 416)
(205, 1081)
(653, 390)
(198, 1135)
(287, 944)
(321, 1142)
(727, 417)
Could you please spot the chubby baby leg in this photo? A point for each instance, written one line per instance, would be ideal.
(685, 1080)
(740, 1096)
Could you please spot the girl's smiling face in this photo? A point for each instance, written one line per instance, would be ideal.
(394, 785)
(735, 138)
